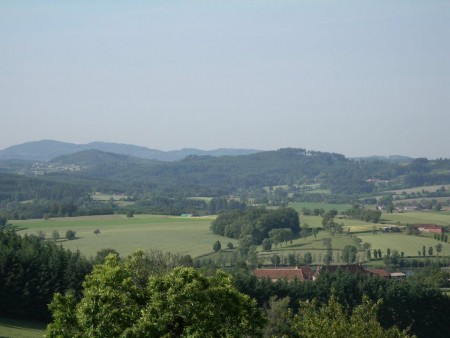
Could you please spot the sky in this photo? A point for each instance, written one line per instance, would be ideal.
(356, 77)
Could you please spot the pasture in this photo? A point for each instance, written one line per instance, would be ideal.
(429, 188)
(186, 235)
(436, 217)
(410, 245)
(11, 328)
(298, 206)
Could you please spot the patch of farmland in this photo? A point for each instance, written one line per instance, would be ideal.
(441, 217)
(187, 235)
(410, 245)
(298, 206)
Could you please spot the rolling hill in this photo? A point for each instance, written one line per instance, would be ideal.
(47, 150)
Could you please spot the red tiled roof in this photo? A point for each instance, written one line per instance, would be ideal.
(301, 273)
(380, 272)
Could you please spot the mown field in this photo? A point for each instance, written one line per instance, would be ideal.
(13, 328)
(187, 235)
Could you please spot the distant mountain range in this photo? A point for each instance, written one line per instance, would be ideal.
(46, 150)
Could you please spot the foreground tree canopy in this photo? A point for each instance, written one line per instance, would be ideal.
(119, 300)
(331, 320)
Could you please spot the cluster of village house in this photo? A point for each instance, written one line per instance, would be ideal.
(306, 273)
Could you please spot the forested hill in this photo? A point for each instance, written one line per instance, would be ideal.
(47, 150)
(219, 176)
(215, 176)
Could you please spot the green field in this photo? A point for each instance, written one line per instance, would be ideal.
(191, 235)
(12, 328)
(401, 242)
(436, 217)
(429, 188)
(187, 235)
(318, 205)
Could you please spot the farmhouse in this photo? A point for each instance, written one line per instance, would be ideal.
(300, 273)
(380, 272)
(433, 228)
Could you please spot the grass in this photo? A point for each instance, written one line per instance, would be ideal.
(11, 328)
(298, 206)
(429, 188)
(410, 245)
(311, 244)
(187, 235)
(438, 217)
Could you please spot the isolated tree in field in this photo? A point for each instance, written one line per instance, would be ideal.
(130, 214)
(217, 246)
(430, 251)
(70, 234)
(349, 254)
(230, 245)
(438, 248)
(423, 251)
(96, 232)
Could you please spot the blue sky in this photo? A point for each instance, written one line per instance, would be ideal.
(353, 77)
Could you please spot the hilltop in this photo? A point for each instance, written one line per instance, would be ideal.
(46, 150)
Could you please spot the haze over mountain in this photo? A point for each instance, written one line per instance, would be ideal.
(47, 150)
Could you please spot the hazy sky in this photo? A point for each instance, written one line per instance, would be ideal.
(353, 77)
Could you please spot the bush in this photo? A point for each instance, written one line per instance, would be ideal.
(70, 234)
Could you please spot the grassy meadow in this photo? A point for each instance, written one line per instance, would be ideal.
(191, 235)
(298, 206)
(187, 235)
(12, 328)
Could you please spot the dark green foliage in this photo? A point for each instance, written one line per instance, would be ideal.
(31, 270)
(349, 254)
(408, 304)
(121, 298)
(217, 246)
(70, 234)
(267, 244)
(365, 215)
(256, 223)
